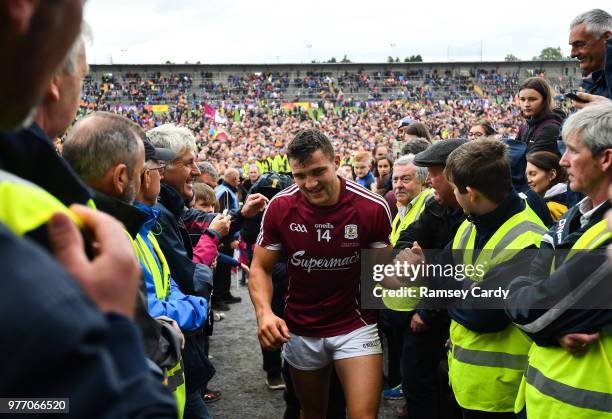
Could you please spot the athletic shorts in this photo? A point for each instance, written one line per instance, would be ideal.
(308, 353)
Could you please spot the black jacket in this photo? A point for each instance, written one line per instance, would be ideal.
(434, 229)
(542, 133)
(192, 278)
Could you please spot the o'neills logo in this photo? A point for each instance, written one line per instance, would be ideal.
(323, 264)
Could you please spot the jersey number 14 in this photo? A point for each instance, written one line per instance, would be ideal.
(323, 235)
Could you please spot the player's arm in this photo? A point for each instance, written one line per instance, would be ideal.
(271, 330)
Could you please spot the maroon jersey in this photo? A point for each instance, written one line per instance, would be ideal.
(323, 249)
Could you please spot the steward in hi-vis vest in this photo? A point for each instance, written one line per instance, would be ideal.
(564, 302)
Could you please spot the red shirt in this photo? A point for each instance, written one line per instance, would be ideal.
(323, 249)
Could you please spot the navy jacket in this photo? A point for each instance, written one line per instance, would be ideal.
(600, 81)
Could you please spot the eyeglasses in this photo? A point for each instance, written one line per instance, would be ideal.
(159, 168)
(476, 134)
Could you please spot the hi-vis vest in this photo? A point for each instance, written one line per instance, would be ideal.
(281, 164)
(413, 214)
(24, 206)
(175, 377)
(485, 369)
(558, 384)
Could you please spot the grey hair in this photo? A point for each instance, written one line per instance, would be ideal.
(596, 22)
(594, 123)
(99, 142)
(207, 168)
(255, 166)
(78, 48)
(420, 172)
(177, 139)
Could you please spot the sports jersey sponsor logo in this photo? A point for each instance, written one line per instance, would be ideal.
(373, 344)
(350, 231)
(326, 225)
(323, 264)
(299, 228)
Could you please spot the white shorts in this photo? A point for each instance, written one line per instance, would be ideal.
(308, 353)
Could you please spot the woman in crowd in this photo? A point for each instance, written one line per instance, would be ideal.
(542, 124)
(481, 129)
(546, 177)
(415, 130)
(382, 171)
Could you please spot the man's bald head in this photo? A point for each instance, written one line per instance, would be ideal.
(101, 142)
(232, 176)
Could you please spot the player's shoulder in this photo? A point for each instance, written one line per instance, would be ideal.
(366, 199)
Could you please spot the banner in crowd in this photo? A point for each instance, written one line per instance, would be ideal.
(293, 105)
(209, 112)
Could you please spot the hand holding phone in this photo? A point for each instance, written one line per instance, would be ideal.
(574, 96)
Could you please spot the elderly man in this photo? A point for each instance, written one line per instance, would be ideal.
(428, 330)
(208, 174)
(569, 372)
(410, 192)
(176, 243)
(590, 41)
(412, 195)
(31, 309)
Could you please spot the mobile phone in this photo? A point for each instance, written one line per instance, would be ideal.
(574, 96)
(225, 212)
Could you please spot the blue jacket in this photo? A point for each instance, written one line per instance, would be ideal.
(367, 180)
(188, 311)
(226, 195)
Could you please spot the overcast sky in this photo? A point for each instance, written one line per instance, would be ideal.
(271, 31)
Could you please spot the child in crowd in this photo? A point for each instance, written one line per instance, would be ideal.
(362, 162)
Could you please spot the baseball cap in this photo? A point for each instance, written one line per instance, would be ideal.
(404, 122)
(155, 153)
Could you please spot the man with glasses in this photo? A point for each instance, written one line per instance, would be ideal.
(177, 244)
(165, 299)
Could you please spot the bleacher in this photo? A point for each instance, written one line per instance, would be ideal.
(240, 84)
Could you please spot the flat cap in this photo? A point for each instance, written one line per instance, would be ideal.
(437, 153)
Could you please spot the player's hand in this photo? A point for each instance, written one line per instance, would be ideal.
(112, 278)
(577, 342)
(221, 224)
(417, 325)
(254, 204)
(272, 331)
(245, 268)
(588, 99)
